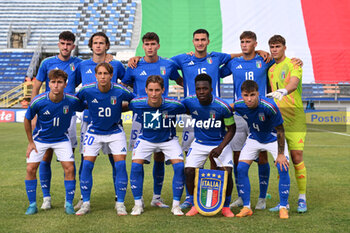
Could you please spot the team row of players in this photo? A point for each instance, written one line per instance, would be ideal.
(190, 65)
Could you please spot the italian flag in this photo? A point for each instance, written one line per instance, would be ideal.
(318, 32)
(209, 197)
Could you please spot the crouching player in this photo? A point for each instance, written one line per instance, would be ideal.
(158, 133)
(104, 100)
(212, 140)
(55, 110)
(264, 119)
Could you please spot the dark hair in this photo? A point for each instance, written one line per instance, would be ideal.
(249, 86)
(155, 79)
(150, 36)
(67, 35)
(277, 39)
(203, 77)
(54, 74)
(91, 40)
(248, 35)
(201, 31)
(106, 65)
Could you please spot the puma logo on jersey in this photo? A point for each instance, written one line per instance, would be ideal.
(89, 71)
(239, 67)
(94, 101)
(47, 112)
(143, 73)
(191, 63)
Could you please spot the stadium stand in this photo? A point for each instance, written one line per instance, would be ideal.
(13, 69)
(28, 21)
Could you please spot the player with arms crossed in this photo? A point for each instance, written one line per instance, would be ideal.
(151, 64)
(157, 133)
(99, 45)
(212, 141)
(104, 100)
(286, 85)
(265, 121)
(54, 110)
(63, 61)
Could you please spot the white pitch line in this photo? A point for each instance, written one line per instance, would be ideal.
(323, 130)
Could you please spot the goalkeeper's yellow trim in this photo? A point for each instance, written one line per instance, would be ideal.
(229, 121)
(300, 176)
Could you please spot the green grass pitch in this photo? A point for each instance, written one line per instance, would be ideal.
(327, 159)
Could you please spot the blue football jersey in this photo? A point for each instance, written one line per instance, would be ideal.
(241, 70)
(105, 109)
(54, 62)
(53, 118)
(86, 71)
(208, 120)
(158, 124)
(191, 66)
(137, 77)
(86, 75)
(261, 120)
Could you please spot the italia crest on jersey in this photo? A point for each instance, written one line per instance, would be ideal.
(209, 191)
(261, 116)
(283, 75)
(212, 114)
(162, 70)
(72, 67)
(65, 109)
(113, 100)
(258, 64)
(209, 60)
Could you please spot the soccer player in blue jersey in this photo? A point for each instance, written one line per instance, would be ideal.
(104, 100)
(54, 110)
(63, 61)
(250, 66)
(212, 140)
(157, 114)
(151, 64)
(99, 45)
(266, 134)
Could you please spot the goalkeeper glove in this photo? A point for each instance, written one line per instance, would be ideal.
(278, 94)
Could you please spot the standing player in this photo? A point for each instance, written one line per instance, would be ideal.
(214, 141)
(63, 61)
(104, 100)
(265, 121)
(54, 110)
(99, 45)
(250, 66)
(151, 64)
(157, 114)
(285, 80)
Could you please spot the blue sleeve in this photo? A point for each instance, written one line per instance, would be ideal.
(128, 77)
(276, 118)
(77, 75)
(174, 75)
(80, 95)
(181, 109)
(31, 112)
(42, 72)
(79, 105)
(271, 63)
(225, 71)
(224, 58)
(127, 95)
(177, 60)
(121, 71)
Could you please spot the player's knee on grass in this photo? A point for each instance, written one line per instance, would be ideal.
(48, 155)
(31, 170)
(159, 156)
(68, 168)
(297, 156)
